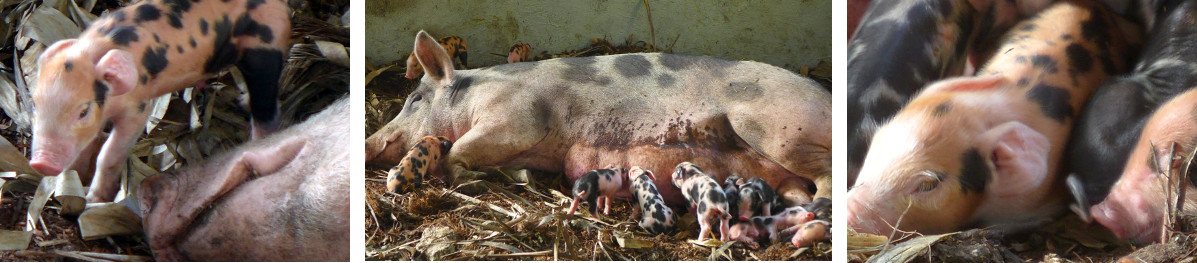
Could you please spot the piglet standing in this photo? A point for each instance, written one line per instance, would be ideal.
(731, 190)
(706, 199)
(655, 216)
(141, 52)
(597, 188)
(423, 159)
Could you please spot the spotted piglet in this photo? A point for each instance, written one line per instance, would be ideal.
(983, 151)
(419, 162)
(655, 216)
(151, 48)
(597, 187)
(453, 45)
(757, 198)
(811, 232)
(770, 228)
(705, 197)
(519, 53)
(731, 190)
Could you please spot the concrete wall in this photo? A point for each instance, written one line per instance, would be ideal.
(786, 33)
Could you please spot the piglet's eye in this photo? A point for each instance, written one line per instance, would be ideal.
(85, 111)
(928, 181)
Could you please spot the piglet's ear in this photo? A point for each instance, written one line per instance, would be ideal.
(55, 49)
(117, 68)
(966, 84)
(1019, 155)
(437, 65)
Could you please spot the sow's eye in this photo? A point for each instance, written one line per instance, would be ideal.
(929, 180)
(416, 97)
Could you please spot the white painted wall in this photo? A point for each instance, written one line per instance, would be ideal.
(785, 33)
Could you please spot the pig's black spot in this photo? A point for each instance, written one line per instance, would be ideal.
(632, 65)
(513, 68)
(1095, 27)
(147, 12)
(262, 68)
(1045, 62)
(68, 66)
(224, 52)
(1028, 27)
(178, 6)
(144, 79)
(154, 60)
(659, 212)
(1081, 59)
(702, 206)
(179, 48)
(253, 4)
(156, 38)
(942, 109)
(693, 192)
(1024, 81)
(675, 62)
(665, 81)
(247, 26)
(975, 175)
(101, 91)
(1066, 37)
(192, 42)
(1053, 101)
(582, 70)
(203, 24)
(123, 35)
(175, 20)
(743, 91)
(141, 107)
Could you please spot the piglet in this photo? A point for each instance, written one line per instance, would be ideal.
(811, 232)
(757, 198)
(1136, 207)
(453, 45)
(597, 187)
(423, 159)
(519, 53)
(655, 216)
(770, 228)
(705, 197)
(731, 190)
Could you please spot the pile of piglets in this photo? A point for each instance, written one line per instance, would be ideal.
(1065, 109)
(740, 210)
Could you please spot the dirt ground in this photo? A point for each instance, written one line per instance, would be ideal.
(523, 216)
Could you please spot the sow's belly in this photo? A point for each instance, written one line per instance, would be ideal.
(714, 148)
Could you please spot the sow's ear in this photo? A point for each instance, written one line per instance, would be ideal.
(965, 84)
(54, 49)
(1019, 155)
(434, 59)
(117, 68)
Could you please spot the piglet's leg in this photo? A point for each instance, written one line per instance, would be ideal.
(263, 56)
(114, 156)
